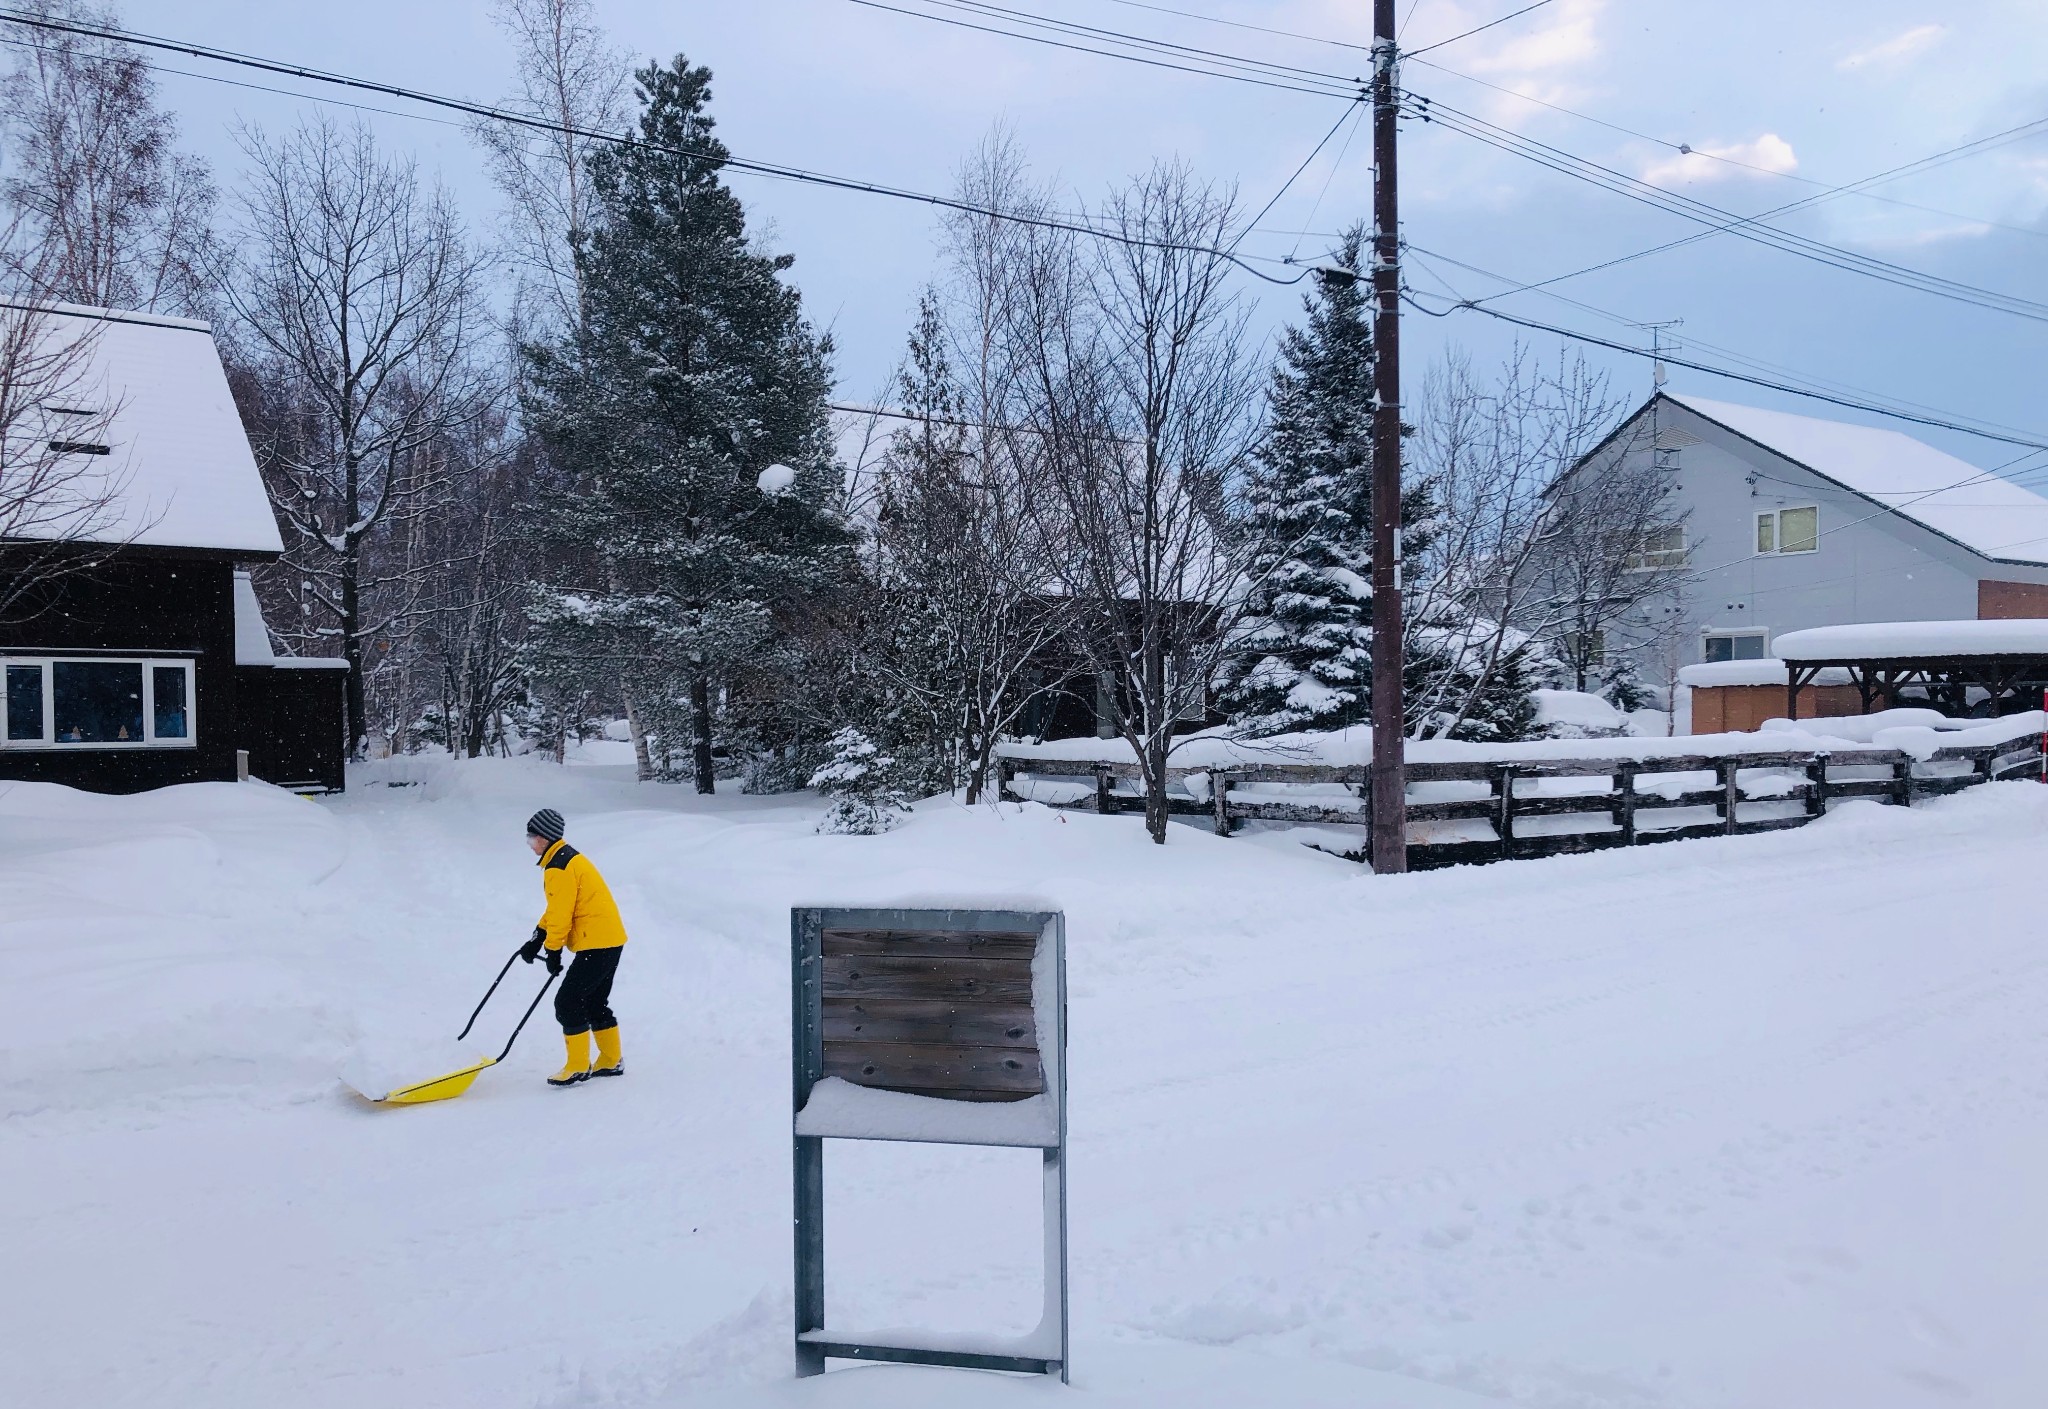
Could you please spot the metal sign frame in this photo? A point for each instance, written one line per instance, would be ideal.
(1047, 1350)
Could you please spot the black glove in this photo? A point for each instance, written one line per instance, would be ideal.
(554, 958)
(530, 950)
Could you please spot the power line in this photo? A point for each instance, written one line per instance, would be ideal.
(1242, 24)
(1015, 16)
(1769, 385)
(1852, 188)
(1425, 256)
(1855, 188)
(1657, 197)
(729, 160)
(1517, 14)
(1236, 69)
(1342, 118)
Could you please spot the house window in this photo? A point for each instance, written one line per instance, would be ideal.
(1733, 645)
(1663, 547)
(24, 704)
(59, 703)
(1788, 530)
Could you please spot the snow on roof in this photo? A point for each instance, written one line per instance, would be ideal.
(1890, 640)
(1973, 506)
(153, 389)
(1712, 674)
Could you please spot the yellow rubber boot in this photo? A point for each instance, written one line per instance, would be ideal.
(609, 1062)
(577, 1067)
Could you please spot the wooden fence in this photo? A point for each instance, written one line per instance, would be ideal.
(1460, 813)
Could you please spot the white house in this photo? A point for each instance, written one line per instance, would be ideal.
(1785, 522)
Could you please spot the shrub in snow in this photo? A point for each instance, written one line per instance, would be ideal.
(784, 770)
(1622, 686)
(860, 781)
(1573, 714)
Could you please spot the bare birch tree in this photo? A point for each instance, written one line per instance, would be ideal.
(122, 214)
(960, 565)
(571, 77)
(61, 503)
(1139, 410)
(358, 294)
(1527, 551)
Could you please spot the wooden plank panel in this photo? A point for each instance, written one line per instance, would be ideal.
(1860, 758)
(1773, 824)
(1297, 812)
(938, 944)
(946, 980)
(1452, 772)
(923, 1020)
(1471, 809)
(1299, 773)
(935, 1067)
(1566, 806)
(1566, 844)
(1428, 856)
(1862, 787)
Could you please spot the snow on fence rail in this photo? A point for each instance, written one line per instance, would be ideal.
(1479, 810)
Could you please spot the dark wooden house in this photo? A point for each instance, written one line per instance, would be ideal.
(137, 656)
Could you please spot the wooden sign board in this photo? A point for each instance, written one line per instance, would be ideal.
(944, 1013)
(963, 1009)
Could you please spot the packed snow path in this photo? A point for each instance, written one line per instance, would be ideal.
(1754, 1122)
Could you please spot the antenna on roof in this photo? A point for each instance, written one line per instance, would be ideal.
(1658, 349)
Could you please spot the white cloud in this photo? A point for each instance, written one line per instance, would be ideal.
(1768, 154)
(1563, 38)
(1896, 50)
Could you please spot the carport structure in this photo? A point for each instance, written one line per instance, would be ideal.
(2003, 663)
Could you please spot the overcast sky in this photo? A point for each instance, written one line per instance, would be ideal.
(1819, 91)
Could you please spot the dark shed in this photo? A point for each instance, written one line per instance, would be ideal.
(143, 660)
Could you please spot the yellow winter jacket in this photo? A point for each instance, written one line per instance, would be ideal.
(581, 913)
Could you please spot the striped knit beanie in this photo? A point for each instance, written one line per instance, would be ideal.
(545, 824)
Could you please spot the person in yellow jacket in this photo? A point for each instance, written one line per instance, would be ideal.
(582, 918)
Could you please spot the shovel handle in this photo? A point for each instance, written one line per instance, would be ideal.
(529, 1013)
(487, 994)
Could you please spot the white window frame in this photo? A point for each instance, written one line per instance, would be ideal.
(1759, 633)
(1777, 521)
(1647, 559)
(149, 740)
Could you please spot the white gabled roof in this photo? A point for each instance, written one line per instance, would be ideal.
(1902, 640)
(1973, 506)
(155, 392)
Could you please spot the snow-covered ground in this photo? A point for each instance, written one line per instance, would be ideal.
(1745, 1122)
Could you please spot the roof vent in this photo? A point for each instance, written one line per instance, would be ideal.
(1672, 438)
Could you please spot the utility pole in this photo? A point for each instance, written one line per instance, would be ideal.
(1389, 770)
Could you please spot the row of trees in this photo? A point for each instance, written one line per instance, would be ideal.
(592, 468)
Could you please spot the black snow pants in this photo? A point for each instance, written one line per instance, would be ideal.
(584, 1001)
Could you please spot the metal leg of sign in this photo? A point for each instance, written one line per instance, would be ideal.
(810, 1254)
(1056, 1248)
(808, 1158)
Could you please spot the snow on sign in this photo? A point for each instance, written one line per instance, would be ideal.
(940, 1025)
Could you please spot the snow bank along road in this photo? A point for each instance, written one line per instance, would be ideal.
(1755, 1122)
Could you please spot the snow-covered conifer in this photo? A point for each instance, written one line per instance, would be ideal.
(1304, 652)
(694, 371)
(859, 780)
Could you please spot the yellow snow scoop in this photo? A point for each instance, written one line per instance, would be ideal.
(454, 1083)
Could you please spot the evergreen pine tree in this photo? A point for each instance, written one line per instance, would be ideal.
(693, 371)
(1304, 657)
(860, 780)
